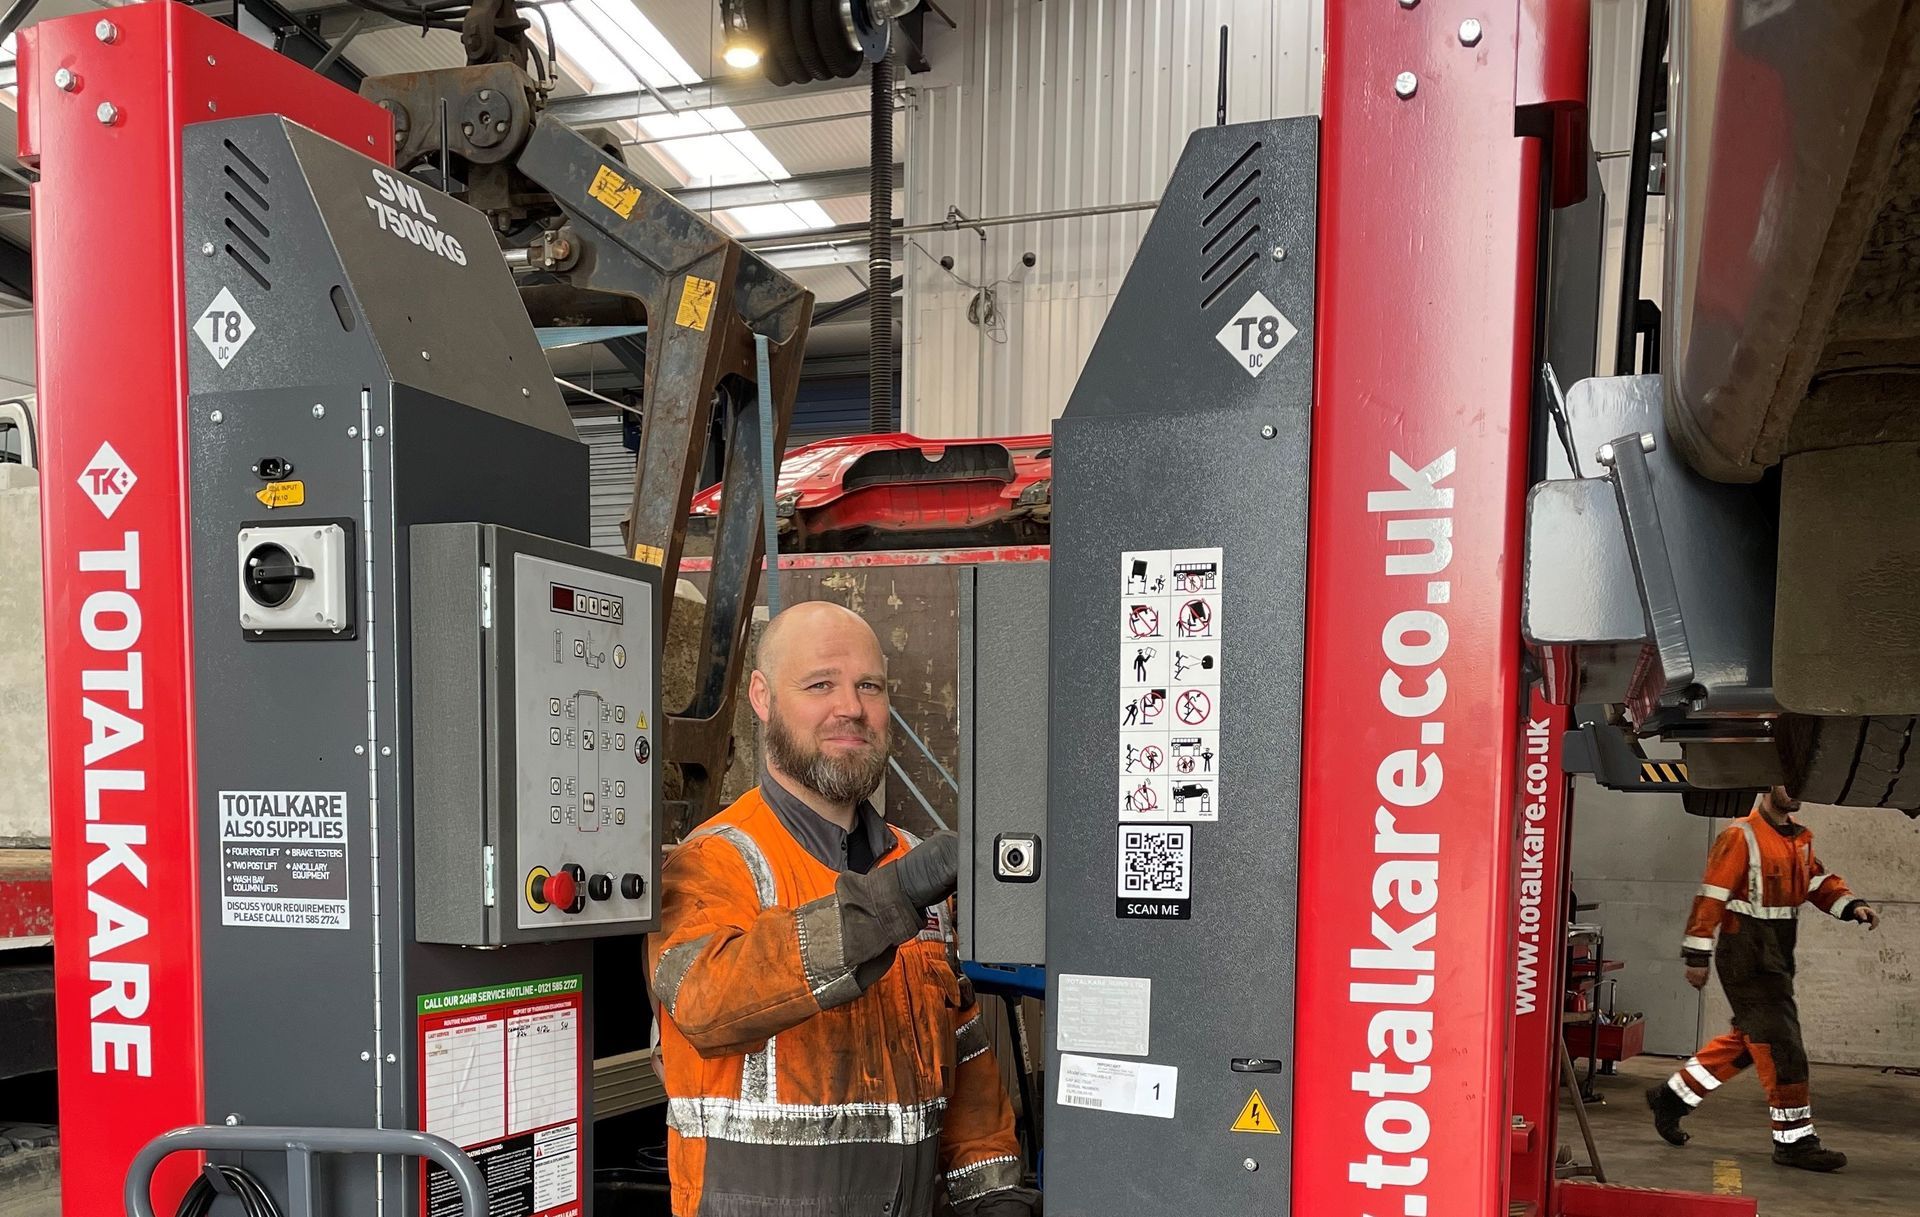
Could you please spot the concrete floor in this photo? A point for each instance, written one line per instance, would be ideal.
(1871, 1116)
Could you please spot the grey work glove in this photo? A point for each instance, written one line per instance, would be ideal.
(931, 870)
(1012, 1202)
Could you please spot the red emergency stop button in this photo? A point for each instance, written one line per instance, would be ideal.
(560, 889)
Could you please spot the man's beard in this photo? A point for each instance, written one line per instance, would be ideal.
(846, 779)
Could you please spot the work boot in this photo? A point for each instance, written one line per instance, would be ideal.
(1668, 1110)
(1809, 1155)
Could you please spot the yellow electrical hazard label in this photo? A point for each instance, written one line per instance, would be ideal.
(616, 192)
(282, 494)
(1255, 1117)
(652, 555)
(696, 303)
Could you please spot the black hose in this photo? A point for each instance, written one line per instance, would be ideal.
(880, 256)
(805, 41)
(1653, 39)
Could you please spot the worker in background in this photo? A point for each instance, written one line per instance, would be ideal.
(1759, 873)
(822, 1055)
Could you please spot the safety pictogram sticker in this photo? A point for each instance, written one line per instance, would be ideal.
(1170, 663)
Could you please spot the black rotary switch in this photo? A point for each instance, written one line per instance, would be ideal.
(600, 887)
(271, 574)
(632, 886)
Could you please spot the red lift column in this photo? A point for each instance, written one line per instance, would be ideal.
(1430, 209)
(1537, 956)
(103, 99)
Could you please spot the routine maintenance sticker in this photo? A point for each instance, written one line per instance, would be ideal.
(283, 858)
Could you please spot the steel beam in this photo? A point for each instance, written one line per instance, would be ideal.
(801, 187)
(701, 95)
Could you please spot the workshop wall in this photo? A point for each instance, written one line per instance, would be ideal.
(1045, 107)
(1640, 858)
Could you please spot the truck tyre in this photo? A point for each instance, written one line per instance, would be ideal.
(29, 1171)
(1854, 762)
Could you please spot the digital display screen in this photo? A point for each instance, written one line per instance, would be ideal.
(577, 602)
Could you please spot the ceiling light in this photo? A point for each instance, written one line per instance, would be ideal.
(741, 55)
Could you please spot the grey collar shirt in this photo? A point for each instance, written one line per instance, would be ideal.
(834, 848)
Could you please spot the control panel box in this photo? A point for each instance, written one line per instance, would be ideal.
(536, 712)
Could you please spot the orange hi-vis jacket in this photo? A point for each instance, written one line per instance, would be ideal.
(1757, 878)
(812, 1068)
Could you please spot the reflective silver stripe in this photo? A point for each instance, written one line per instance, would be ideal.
(672, 969)
(1813, 884)
(1787, 1136)
(1688, 1094)
(1699, 1074)
(1754, 890)
(794, 1124)
(972, 1038)
(1787, 1115)
(1764, 912)
(977, 1179)
(759, 1076)
(1714, 893)
(1696, 944)
(750, 853)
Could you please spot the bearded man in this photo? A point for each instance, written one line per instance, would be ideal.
(822, 1056)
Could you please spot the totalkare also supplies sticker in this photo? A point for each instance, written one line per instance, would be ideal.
(1106, 1014)
(500, 1076)
(283, 858)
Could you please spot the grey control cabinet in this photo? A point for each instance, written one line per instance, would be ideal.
(536, 728)
(1003, 762)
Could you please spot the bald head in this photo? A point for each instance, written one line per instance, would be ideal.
(811, 629)
(819, 689)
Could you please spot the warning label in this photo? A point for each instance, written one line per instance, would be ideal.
(283, 858)
(1170, 759)
(1255, 1116)
(500, 1077)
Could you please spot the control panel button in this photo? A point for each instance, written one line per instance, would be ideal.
(579, 648)
(553, 786)
(619, 815)
(586, 802)
(600, 887)
(586, 741)
(620, 742)
(553, 706)
(619, 656)
(642, 751)
(620, 788)
(553, 813)
(632, 886)
(553, 735)
(561, 889)
(619, 714)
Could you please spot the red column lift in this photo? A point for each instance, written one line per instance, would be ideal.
(110, 346)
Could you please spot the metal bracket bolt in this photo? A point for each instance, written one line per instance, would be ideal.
(1606, 454)
(233, 1120)
(1279, 253)
(1251, 1165)
(1405, 84)
(65, 81)
(1267, 431)
(1470, 32)
(216, 418)
(366, 1056)
(108, 114)
(206, 247)
(106, 31)
(319, 411)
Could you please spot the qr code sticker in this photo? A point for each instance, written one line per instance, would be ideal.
(1156, 861)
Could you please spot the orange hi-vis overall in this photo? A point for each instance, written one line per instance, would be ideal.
(801, 1080)
(1757, 878)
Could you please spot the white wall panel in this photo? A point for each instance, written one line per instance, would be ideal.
(1043, 107)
